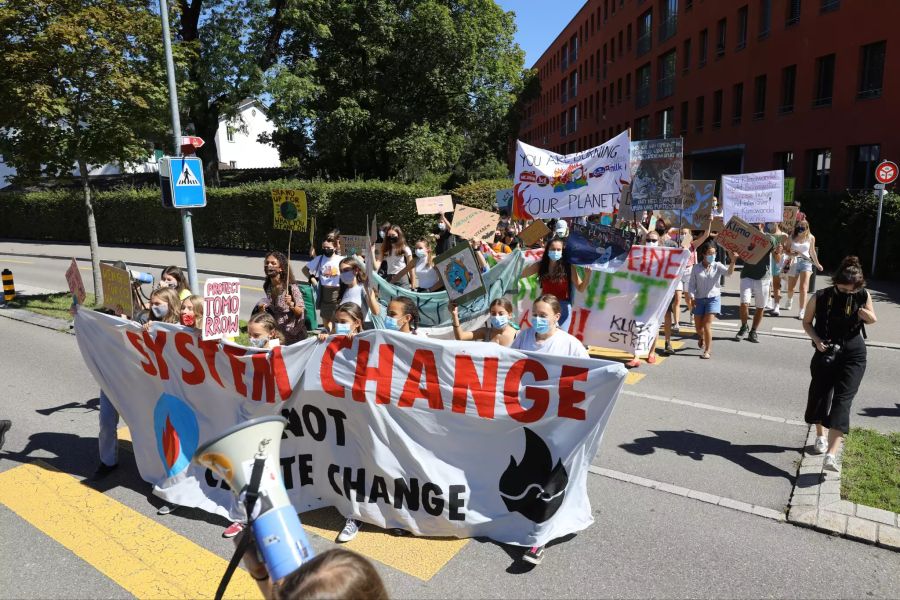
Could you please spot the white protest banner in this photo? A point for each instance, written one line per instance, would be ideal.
(221, 308)
(656, 174)
(473, 224)
(547, 184)
(434, 205)
(754, 197)
(746, 241)
(438, 438)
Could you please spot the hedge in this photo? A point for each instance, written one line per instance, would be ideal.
(480, 194)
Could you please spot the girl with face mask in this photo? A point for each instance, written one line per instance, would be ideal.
(444, 240)
(165, 307)
(192, 312)
(348, 320)
(499, 328)
(323, 271)
(402, 315)
(704, 287)
(284, 300)
(263, 332)
(557, 277)
(352, 289)
(397, 257)
(802, 250)
(173, 277)
(427, 278)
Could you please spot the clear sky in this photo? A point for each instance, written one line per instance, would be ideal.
(539, 22)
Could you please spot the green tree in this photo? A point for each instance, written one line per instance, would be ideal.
(81, 83)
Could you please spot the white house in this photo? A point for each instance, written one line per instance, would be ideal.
(236, 141)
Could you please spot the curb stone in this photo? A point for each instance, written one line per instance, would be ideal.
(816, 503)
(26, 316)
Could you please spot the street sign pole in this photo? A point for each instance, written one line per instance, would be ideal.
(176, 137)
(886, 173)
(881, 193)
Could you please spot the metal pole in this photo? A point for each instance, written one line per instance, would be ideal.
(176, 140)
(881, 194)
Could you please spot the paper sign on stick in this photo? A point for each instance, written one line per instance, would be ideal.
(460, 273)
(533, 232)
(76, 284)
(754, 197)
(221, 308)
(473, 224)
(434, 205)
(746, 241)
(289, 207)
(656, 174)
(116, 289)
(353, 245)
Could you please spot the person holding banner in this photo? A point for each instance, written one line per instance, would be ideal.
(284, 300)
(397, 256)
(324, 269)
(499, 327)
(352, 288)
(672, 319)
(165, 307)
(707, 292)
(192, 312)
(263, 331)
(802, 250)
(557, 277)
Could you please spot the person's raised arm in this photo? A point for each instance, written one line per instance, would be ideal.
(581, 283)
(703, 237)
(732, 262)
(458, 332)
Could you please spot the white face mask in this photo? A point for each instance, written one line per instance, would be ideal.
(421, 252)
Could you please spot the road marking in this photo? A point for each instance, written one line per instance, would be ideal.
(730, 411)
(420, 557)
(139, 554)
(85, 269)
(632, 378)
(788, 330)
(250, 287)
(18, 262)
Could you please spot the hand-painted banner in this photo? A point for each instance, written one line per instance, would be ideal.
(461, 274)
(656, 171)
(746, 241)
(222, 308)
(598, 246)
(754, 197)
(439, 438)
(547, 184)
(696, 205)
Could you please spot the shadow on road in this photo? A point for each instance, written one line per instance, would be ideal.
(697, 446)
(880, 411)
(92, 404)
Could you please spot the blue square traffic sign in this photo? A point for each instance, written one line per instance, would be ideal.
(181, 181)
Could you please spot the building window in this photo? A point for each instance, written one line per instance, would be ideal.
(605, 59)
(685, 112)
(863, 160)
(642, 86)
(793, 13)
(737, 109)
(703, 50)
(765, 18)
(628, 86)
(619, 90)
(668, 24)
(620, 41)
(665, 85)
(688, 5)
(785, 162)
(229, 133)
(573, 85)
(573, 49)
(829, 5)
(824, 80)
(686, 55)
(721, 30)
(700, 113)
(759, 98)
(612, 50)
(564, 64)
(743, 13)
(717, 109)
(565, 91)
(819, 168)
(644, 32)
(788, 85)
(642, 128)
(871, 70)
(606, 10)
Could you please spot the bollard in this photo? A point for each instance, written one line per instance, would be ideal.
(9, 289)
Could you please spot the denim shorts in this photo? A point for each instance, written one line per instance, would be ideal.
(707, 306)
(800, 265)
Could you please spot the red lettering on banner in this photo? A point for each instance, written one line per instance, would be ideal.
(568, 395)
(210, 349)
(326, 370)
(484, 393)
(196, 375)
(262, 376)
(381, 374)
(238, 367)
(673, 264)
(157, 345)
(513, 386)
(422, 361)
(578, 322)
(282, 379)
(655, 262)
(146, 364)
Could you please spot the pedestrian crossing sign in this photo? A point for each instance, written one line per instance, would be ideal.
(181, 181)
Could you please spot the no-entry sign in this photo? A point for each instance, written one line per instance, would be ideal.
(886, 172)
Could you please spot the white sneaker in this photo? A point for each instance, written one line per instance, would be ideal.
(776, 311)
(831, 464)
(351, 528)
(790, 305)
(821, 444)
(676, 327)
(769, 304)
(802, 314)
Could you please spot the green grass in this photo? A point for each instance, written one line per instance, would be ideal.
(870, 474)
(52, 305)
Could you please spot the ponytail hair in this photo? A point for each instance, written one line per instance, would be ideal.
(849, 272)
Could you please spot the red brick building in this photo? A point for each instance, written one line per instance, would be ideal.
(751, 85)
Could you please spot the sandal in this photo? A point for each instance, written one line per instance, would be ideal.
(705, 355)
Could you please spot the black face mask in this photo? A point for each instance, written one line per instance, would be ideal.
(393, 239)
(328, 251)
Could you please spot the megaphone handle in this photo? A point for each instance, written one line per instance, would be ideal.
(252, 492)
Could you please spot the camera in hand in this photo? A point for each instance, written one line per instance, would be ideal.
(831, 353)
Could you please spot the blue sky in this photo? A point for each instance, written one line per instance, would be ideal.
(540, 22)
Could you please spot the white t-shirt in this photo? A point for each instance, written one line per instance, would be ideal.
(326, 270)
(396, 263)
(355, 295)
(560, 343)
(426, 275)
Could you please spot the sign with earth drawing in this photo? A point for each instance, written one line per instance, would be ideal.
(289, 208)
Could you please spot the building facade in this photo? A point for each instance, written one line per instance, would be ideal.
(751, 85)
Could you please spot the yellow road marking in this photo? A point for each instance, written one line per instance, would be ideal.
(255, 289)
(18, 262)
(139, 554)
(632, 377)
(419, 557)
(84, 269)
(124, 434)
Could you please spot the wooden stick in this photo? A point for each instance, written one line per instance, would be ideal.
(287, 287)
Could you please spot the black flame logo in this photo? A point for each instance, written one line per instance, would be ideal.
(534, 487)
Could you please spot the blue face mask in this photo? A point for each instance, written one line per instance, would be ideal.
(555, 254)
(391, 324)
(258, 342)
(499, 322)
(159, 310)
(342, 328)
(709, 258)
(541, 325)
(347, 277)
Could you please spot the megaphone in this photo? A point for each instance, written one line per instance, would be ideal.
(248, 456)
(140, 276)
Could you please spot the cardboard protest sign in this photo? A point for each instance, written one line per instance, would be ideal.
(117, 295)
(598, 246)
(547, 184)
(504, 199)
(754, 197)
(221, 308)
(76, 284)
(696, 207)
(473, 224)
(433, 205)
(289, 208)
(746, 241)
(624, 212)
(460, 273)
(534, 232)
(353, 245)
(789, 220)
(789, 184)
(656, 174)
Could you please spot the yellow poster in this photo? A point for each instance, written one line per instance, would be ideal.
(289, 208)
